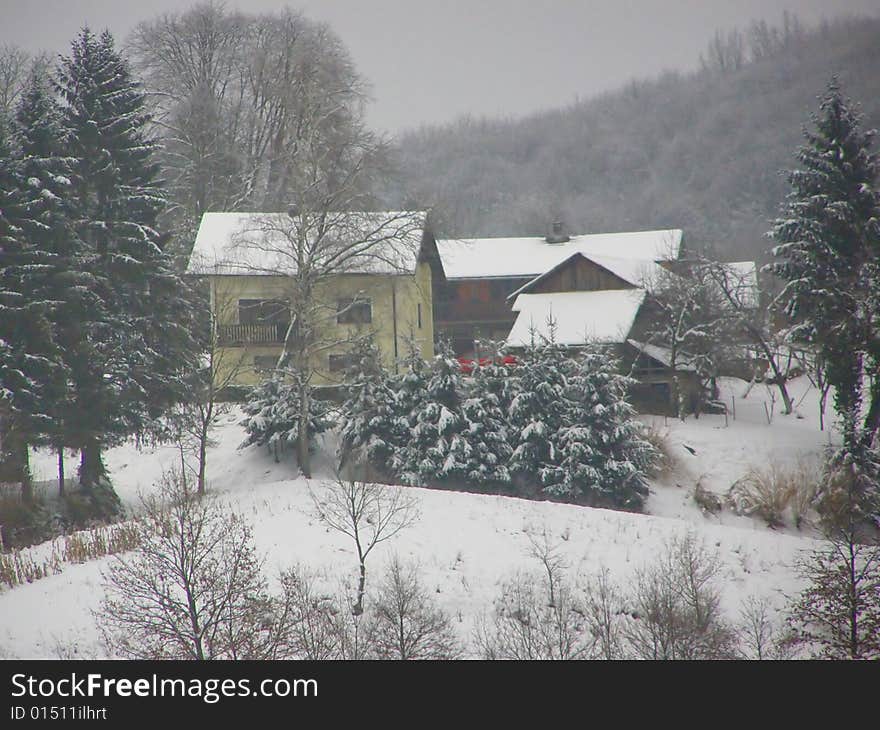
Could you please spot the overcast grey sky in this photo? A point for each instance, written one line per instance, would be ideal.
(434, 61)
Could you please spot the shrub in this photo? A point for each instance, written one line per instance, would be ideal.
(676, 608)
(407, 624)
(664, 463)
(194, 588)
(22, 522)
(526, 624)
(273, 413)
(769, 491)
(706, 499)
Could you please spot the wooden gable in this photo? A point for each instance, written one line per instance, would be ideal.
(578, 273)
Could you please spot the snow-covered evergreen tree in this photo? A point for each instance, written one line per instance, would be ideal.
(485, 411)
(601, 454)
(272, 410)
(827, 245)
(371, 430)
(28, 353)
(437, 450)
(128, 359)
(39, 136)
(537, 409)
(410, 387)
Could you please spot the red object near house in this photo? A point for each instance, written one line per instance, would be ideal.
(467, 364)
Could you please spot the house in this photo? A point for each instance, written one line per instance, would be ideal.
(482, 294)
(378, 276)
(586, 288)
(596, 298)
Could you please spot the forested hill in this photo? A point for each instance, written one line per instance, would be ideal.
(700, 151)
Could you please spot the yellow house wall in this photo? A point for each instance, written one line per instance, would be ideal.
(389, 296)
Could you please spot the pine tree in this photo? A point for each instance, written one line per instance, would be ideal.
(127, 359)
(437, 450)
(537, 410)
(40, 139)
(487, 432)
(371, 428)
(272, 410)
(828, 239)
(601, 453)
(28, 353)
(410, 389)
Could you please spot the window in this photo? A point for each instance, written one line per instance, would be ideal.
(265, 363)
(354, 311)
(338, 363)
(419, 305)
(263, 311)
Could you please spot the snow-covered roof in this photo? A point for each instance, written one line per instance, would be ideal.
(505, 257)
(663, 355)
(580, 316)
(386, 242)
(633, 271)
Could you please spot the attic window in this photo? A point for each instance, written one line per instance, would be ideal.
(354, 311)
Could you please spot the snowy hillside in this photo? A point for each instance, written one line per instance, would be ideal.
(465, 544)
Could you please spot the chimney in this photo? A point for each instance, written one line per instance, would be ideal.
(557, 233)
(293, 210)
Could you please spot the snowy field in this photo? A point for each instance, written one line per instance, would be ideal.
(465, 544)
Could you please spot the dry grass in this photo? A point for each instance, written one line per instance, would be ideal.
(771, 491)
(19, 567)
(665, 463)
(92, 544)
(706, 500)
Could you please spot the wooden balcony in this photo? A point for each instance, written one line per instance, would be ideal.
(239, 335)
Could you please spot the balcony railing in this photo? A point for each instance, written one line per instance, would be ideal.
(237, 335)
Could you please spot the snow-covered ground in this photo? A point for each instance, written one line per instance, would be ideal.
(465, 544)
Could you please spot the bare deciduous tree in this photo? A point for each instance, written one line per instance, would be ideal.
(760, 634)
(524, 625)
(194, 419)
(742, 300)
(239, 97)
(194, 587)
(548, 554)
(313, 631)
(407, 623)
(604, 606)
(676, 610)
(367, 513)
(14, 66)
(726, 52)
(690, 322)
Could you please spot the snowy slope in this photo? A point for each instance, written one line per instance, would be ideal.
(465, 544)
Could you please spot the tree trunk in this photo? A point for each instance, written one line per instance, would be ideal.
(872, 419)
(91, 465)
(203, 459)
(778, 377)
(61, 471)
(362, 581)
(14, 466)
(823, 402)
(302, 437)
